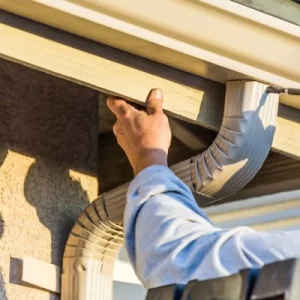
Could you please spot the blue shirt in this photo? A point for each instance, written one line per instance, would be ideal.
(169, 239)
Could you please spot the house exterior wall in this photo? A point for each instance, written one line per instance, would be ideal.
(48, 169)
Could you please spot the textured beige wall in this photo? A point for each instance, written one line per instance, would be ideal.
(48, 166)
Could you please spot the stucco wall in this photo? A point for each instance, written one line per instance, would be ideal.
(48, 166)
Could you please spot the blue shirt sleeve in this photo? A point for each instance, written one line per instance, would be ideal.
(169, 239)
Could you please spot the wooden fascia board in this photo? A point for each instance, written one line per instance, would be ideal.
(217, 39)
(278, 174)
(187, 96)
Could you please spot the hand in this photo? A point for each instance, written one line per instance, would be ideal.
(144, 136)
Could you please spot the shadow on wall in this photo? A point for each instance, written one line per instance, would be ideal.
(3, 154)
(56, 123)
(58, 200)
(2, 288)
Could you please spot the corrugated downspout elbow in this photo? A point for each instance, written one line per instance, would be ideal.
(233, 159)
(241, 146)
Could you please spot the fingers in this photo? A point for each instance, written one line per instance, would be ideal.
(154, 101)
(118, 106)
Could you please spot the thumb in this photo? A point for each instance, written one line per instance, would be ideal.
(154, 101)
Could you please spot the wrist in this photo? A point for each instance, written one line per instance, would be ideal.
(149, 158)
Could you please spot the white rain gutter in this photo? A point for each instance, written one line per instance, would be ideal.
(217, 39)
(273, 212)
(233, 159)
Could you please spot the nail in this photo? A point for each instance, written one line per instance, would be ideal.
(157, 93)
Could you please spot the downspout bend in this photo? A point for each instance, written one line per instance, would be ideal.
(241, 146)
(233, 159)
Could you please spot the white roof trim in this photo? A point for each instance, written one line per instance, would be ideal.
(217, 39)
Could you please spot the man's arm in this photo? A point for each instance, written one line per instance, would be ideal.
(170, 240)
(168, 237)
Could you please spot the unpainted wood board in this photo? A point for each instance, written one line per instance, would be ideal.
(147, 31)
(278, 174)
(277, 168)
(104, 68)
(112, 71)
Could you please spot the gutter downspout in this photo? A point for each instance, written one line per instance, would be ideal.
(233, 159)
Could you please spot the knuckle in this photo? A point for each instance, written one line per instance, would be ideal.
(126, 115)
(123, 109)
(115, 128)
(151, 110)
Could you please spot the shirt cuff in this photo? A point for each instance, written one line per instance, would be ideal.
(146, 174)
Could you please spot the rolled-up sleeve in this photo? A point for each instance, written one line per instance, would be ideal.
(169, 239)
